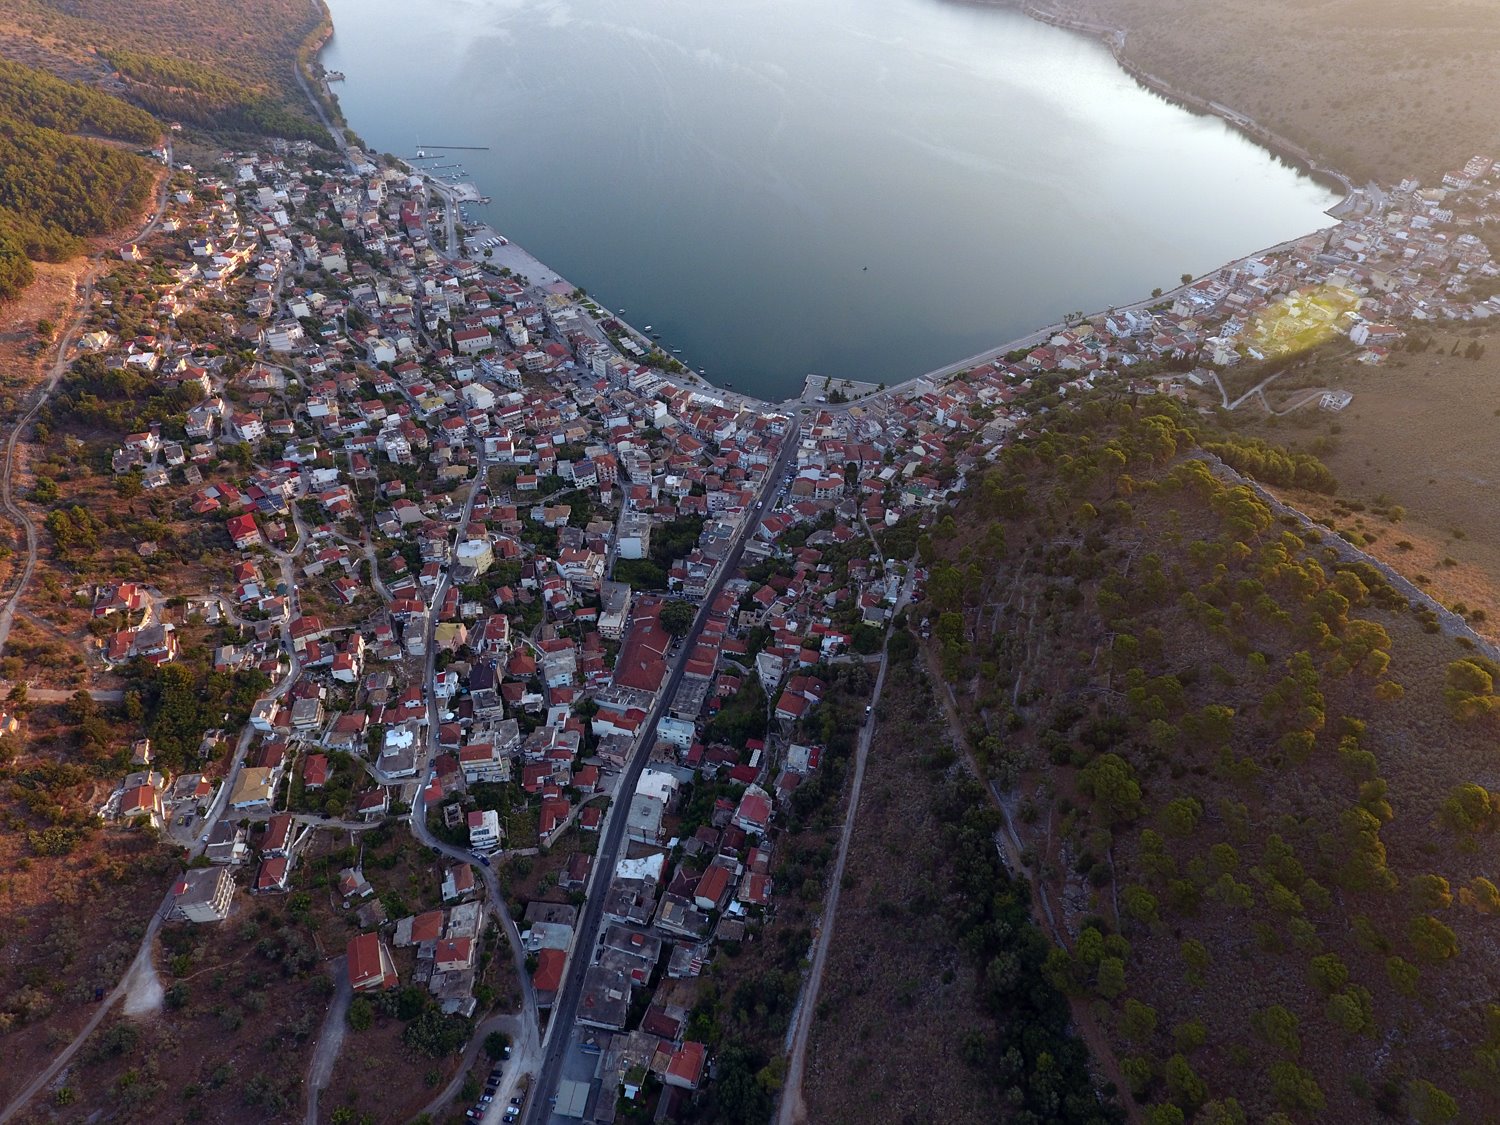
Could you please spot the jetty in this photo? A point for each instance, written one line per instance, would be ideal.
(458, 148)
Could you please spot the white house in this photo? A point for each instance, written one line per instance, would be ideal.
(653, 795)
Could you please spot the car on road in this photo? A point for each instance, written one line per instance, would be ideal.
(867, 708)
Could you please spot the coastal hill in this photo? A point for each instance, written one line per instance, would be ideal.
(225, 66)
(57, 188)
(1247, 773)
(1376, 88)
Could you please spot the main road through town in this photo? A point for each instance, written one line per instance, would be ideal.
(565, 1009)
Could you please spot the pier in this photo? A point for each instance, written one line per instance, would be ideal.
(458, 148)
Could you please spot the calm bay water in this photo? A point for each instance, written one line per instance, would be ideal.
(864, 189)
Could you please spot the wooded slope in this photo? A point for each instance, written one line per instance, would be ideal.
(1252, 779)
(218, 63)
(57, 189)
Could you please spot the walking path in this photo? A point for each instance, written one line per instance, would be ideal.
(330, 1038)
(792, 1110)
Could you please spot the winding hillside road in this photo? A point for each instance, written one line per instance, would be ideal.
(141, 964)
(12, 508)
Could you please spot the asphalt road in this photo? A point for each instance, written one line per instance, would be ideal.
(565, 1009)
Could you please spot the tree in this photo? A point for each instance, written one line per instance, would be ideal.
(1432, 940)
(1110, 981)
(1227, 1112)
(1111, 781)
(677, 617)
(1329, 973)
(1403, 975)
(1352, 1010)
(1187, 1089)
(1296, 1089)
(1189, 1036)
(494, 1045)
(1181, 816)
(1139, 903)
(1430, 1105)
(1481, 895)
(1187, 279)
(1138, 1021)
(1469, 688)
(361, 1013)
(1278, 1027)
(1430, 892)
(1468, 807)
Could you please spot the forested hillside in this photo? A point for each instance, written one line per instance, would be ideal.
(57, 189)
(1253, 782)
(219, 63)
(203, 96)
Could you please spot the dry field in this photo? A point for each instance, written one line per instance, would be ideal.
(898, 996)
(1421, 434)
(1376, 87)
(231, 1044)
(70, 919)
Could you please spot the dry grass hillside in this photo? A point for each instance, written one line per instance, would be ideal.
(1253, 782)
(899, 997)
(1377, 87)
(1414, 458)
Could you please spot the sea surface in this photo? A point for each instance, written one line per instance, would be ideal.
(864, 189)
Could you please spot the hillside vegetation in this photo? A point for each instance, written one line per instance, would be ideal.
(1253, 782)
(1428, 507)
(57, 189)
(30, 95)
(1377, 87)
(217, 63)
(933, 1003)
(198, 94)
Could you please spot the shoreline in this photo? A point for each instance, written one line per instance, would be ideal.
(1281, 147)
(1114, 38)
